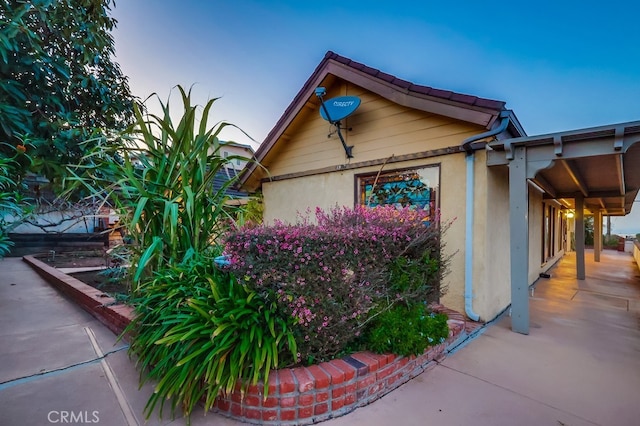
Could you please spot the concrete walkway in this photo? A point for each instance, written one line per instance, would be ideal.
(579, 366)
(59, 365)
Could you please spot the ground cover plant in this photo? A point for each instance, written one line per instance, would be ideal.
(340, 276)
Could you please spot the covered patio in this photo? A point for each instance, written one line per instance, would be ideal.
(578, 366)
(593, 171)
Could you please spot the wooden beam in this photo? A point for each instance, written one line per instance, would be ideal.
(620, 171)
(349, 166)
(519, 240)
(546, 186)
(575, 176)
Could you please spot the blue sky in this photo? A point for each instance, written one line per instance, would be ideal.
(560, 65)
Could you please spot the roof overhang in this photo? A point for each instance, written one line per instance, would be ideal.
(601, 164)
(472, 109)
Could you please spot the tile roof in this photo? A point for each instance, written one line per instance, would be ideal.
(410, 87)
(487, 106)
(222, 177)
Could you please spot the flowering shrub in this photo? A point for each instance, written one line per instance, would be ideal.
(335, 275)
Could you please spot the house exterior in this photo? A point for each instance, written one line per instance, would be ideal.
(240, 153)
(413, 144)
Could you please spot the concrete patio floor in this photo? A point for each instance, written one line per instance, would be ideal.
(580, 365)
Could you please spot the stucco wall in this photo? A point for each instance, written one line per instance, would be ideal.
(306, 166)
(285, 199)
(491, 283)
(378, 129)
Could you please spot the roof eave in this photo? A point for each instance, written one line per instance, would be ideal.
(398, 91)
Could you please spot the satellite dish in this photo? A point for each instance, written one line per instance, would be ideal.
(339, 108)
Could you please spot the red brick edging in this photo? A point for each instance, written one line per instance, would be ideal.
(297, 396)
(104, 308)
(307, 395)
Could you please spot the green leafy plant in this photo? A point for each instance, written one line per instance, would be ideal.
(159, 178)
(405, 330)
(59, 83)
(610, 241)
(416, 278)
(199, 333)
(252, 213)
(14, 207)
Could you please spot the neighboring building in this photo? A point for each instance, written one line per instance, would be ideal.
(438, 149)
(241, 154)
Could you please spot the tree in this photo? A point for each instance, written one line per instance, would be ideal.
(59, 84)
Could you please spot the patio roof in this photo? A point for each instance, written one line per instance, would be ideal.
(601, 163)
(594, 170)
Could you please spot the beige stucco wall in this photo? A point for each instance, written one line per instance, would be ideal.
(492, 288)
(285, 199)
(381, 129)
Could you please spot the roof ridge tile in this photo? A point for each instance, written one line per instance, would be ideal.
(417, 88)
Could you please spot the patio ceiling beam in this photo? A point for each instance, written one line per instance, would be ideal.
(620, 171)
(618, 138)
(564, 202)
(545, 185)
(557, 145)
(593, 194)
(575, 176)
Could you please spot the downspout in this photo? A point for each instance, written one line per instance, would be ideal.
(469, 199)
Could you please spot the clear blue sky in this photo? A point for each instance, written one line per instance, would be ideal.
(560, 65)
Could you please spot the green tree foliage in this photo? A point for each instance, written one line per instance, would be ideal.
(588, 230)
(59, 84)
(12, 204)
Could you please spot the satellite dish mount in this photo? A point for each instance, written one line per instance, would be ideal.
(336, 109)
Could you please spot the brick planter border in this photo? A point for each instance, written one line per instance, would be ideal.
(107, 310)
(297, 396)
(308, 395)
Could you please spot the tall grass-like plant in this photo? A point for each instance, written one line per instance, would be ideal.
(159, 177)
(199, 333)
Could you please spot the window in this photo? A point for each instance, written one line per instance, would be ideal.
(409, 187)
